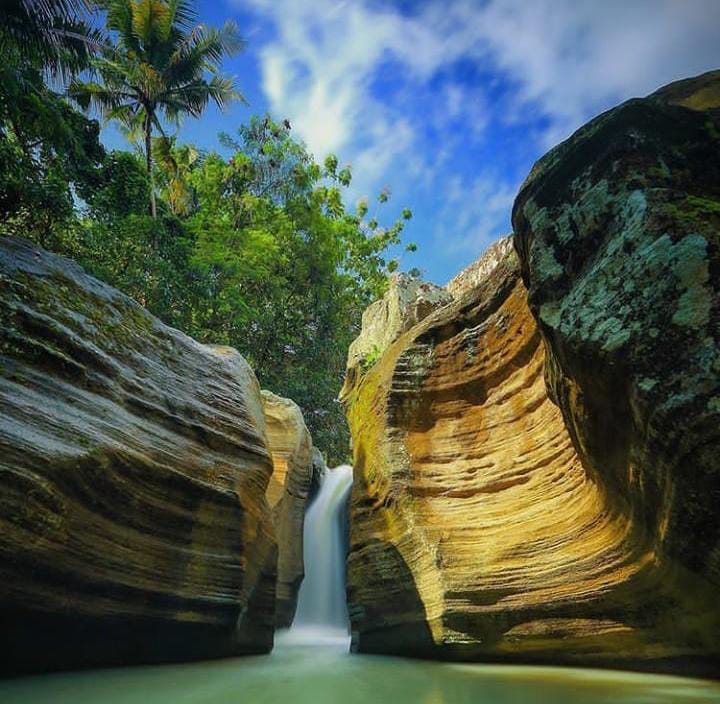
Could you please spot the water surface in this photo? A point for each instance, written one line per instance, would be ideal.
(311, 664)
(298, 673)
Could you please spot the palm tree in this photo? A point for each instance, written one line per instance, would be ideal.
(176, 165)
(162, 63)
(50, 34)
(42, 42)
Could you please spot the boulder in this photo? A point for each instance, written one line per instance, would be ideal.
(294, 466)
(477, 532)
(133, 469)
(618, 232)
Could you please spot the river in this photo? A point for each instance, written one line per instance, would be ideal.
(311, 664)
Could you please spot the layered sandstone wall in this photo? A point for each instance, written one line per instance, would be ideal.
(297, 467)
(618, 230)
(495, 517)
(471, 513)
(133, 470)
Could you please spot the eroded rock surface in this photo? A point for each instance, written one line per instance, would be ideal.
(618, 230)
(407, 301)
(473, 276)
(133, 471)
(296, 463)
(476, 530)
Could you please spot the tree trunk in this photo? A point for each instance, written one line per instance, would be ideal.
(148, 156)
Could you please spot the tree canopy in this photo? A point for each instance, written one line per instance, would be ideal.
(252, 245)
(161, 62)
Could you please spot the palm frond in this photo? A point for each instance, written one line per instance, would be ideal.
(182, 13)
(45, 12)
(120, 19)
(222, 90)
(131, 117)
(89, 94)
(163, 151)
(52, 34)
(158, 66)
(151, 21)
(208, 45)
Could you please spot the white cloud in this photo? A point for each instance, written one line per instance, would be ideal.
(318, 70)
(474, 214)
(549, 65)
(573, 58)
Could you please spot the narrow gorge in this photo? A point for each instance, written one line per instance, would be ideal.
(535, 472)
(535, 447)
(152, 496)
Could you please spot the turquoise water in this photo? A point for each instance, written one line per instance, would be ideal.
(311, 664)
(300, 674)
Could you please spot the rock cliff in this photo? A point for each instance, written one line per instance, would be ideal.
(296, 464)
(618, 231)
(497, 517)
(407, 301)
(133, 472)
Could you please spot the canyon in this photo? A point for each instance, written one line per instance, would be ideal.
(145, 481)
(535, 445)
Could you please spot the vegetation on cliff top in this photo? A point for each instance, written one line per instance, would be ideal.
(256, 250)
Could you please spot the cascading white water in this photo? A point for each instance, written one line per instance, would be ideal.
(322, 612)
(310, 664)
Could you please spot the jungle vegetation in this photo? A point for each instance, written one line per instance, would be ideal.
(251, 245)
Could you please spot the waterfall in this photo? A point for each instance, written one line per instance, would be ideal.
(322, 611)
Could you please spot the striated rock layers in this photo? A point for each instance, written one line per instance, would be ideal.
(297, 467)
(133, 469)
(475, 532)
(407, 301)
(618, 230)
(493, 521)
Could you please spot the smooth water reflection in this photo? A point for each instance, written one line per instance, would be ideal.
(300, 674)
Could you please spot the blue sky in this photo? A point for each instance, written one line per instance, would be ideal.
(449, 102)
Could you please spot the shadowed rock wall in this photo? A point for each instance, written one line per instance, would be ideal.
(295, 463)
(133, 471)
(495, 517)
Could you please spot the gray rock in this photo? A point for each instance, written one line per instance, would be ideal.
(133, 470)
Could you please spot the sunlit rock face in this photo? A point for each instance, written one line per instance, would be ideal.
(407, 301)
(133, 469)
(476, 531)
(618, 230)
(297, 465)
(474, 275)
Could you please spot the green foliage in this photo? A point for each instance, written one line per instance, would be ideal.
(287, 269)
(371, 357)
(257, 251)
(147, 258)
(119, 188)
(51, 34)
(46, 147)
(161, 64)
(174, 175)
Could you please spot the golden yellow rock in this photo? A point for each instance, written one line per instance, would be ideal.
(618, 233)
(133, 469)
(294, 466)
(476, 532)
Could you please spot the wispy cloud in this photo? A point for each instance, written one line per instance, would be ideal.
(571, 58)
(474, 213)
(453, 98)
